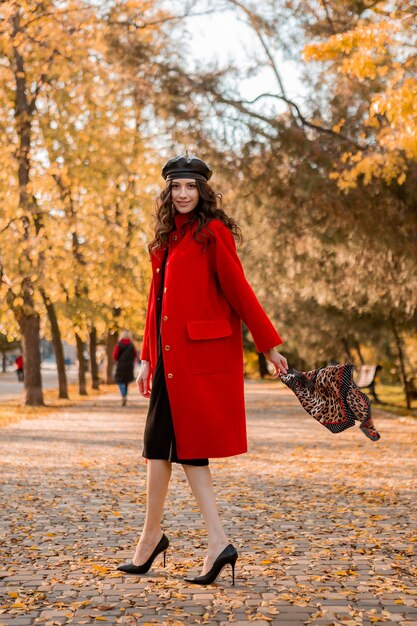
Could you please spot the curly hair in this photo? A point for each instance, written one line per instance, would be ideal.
(209, 207)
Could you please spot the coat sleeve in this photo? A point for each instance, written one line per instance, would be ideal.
(145, 354)
(238, 291)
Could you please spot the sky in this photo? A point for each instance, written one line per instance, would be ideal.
(222, 36)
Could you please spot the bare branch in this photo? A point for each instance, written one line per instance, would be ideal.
(329, 19)
(306, 122)
(55, 13)
(254, 26)
(9, 223)
(163, 20)
(240, 105)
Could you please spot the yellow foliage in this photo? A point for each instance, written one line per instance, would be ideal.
(91, 171)
(374, 50)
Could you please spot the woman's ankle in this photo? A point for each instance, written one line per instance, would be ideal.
(151, 533)
(215, 542)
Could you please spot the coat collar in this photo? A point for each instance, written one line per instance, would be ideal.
(181, 218)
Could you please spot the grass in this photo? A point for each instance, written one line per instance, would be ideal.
(394, 401)
(13, 410)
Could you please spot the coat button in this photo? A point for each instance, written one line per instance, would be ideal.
(170, 375)
(175, 237)
(167, 347)
(158, 269)
(165, 318)
(165, 289)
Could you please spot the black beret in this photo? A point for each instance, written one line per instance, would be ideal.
(186, 166)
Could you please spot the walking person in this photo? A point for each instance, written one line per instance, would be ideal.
(192, 354)
(19, 367)
(124, 354)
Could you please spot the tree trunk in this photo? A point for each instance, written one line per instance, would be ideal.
(404, 380)
(58, 349)
(358, 350)
(263, 368)
(30, 329)
(26, 316)
(347, 349)
(111, 340)
(82, 385)
(95, 381)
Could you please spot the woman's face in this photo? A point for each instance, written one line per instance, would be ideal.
(184, 194)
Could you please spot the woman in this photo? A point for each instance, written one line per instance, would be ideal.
(193, 352)
(124, 354)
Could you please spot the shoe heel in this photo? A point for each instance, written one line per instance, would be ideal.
(130, 568)
(165, 552)
(224, 558)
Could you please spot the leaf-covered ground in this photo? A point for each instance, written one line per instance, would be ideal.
(325, 524)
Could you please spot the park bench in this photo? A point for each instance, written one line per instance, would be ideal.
(366, 378)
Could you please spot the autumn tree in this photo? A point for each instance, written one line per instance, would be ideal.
(377, 49)
(77, 176)
(349, 250)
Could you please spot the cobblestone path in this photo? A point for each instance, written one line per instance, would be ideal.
(325, 524)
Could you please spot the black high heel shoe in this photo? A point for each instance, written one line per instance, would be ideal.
(228, 556)
(130, 568)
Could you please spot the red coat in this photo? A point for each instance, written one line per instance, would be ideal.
(205, 298)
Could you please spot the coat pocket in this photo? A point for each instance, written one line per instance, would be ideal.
(210, 345)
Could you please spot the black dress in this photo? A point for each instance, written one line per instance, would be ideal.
(159, 436)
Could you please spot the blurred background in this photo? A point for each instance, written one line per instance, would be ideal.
(306, 110)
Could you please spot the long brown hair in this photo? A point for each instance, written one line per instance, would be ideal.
(209, 206)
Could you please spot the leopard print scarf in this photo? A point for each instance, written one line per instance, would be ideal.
(330, 395)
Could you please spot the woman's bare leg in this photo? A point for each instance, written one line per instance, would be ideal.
(201, 483)
(159, 473)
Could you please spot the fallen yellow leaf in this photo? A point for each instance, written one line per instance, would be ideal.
(100, 568)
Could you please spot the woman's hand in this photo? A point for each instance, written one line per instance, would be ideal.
(143, 379)
(279, 362)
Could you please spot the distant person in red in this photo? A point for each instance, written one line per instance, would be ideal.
(19, 367)
(124, 354)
